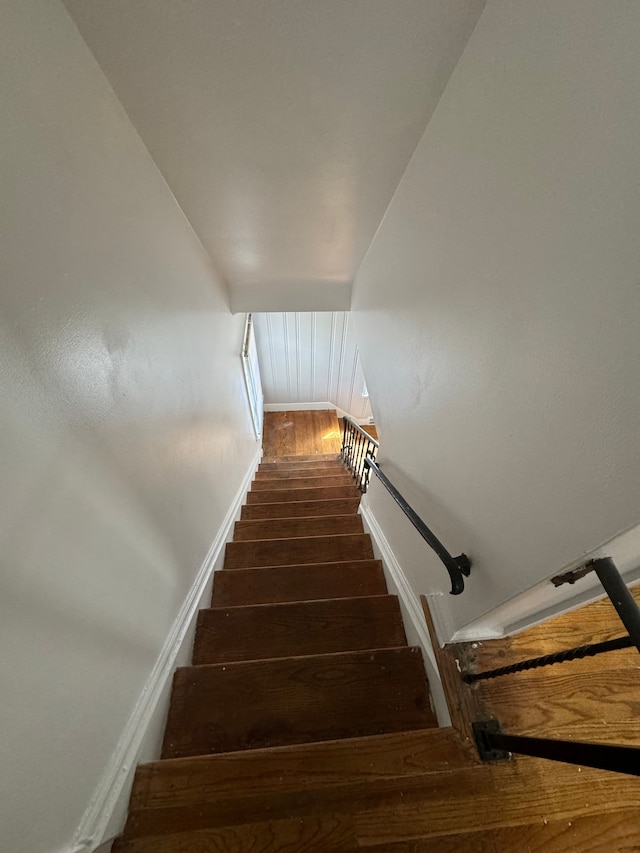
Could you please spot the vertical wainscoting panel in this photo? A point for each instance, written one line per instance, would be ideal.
(311, 357)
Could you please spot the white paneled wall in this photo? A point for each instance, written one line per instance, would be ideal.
(311, 357)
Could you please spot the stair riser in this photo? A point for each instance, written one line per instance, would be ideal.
(299, 473)
(309, 494)
(272, 703)
(312, 767)
(283, 630)
(245, 531)
(299, 509)
(333, 465)
(303, 550)
(314, 482)
(298, 583)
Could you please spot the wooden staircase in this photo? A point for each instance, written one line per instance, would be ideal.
(303, 691)
(304, 723)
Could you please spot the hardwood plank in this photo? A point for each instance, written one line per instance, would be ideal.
(287, 552)
(313, 767)
(341, 797)
(522, 793)
(289, 528)
(325, 469)
(308, 494)
(340, 478)
(298, 583)
(297, 628)
(614, 833)
(301, 465)
(301, 433)
(298, 458)
(591, 624)
(464, 702)
(312, 835)
(561, 700)
(226, 707)
(298, 508)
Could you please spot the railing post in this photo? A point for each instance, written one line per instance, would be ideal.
(621, 598)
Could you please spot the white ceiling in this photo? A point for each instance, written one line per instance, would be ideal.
(311, 357)
(282, 126)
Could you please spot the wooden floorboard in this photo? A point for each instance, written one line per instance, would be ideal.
(297, 551)
(298, 583)
(297, 628)
(272, 703)
(301, 433)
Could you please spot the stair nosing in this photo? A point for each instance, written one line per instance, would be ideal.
(298, 658)
(247, 754)
(300, 601)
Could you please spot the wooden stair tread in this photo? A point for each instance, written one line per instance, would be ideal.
(288, 528)
(223, 707)
(301, 466)
(329, 469)
(312, 835)
(309, 766)
(297, 628)
(299, 550)
(317, 493)
(298, 508)
(301, 457)
(345, 579)
(306, 482)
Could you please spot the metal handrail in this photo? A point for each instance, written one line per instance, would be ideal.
(458, 567)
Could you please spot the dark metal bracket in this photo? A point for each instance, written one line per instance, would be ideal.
(482, 730)
(573, 575)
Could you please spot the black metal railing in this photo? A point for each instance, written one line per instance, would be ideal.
(357, 446)
(495, 745)
(359, 453)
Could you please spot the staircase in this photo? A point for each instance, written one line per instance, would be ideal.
(304, 723)
(303, 692)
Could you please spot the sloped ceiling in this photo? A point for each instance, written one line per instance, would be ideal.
(311, 357)
(282, 127)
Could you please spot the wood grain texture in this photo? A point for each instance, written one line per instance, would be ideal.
(298, 583)
(304, 628)
(298, 551)
(301, 433)
(276, 702)
(311, 766)
(297, 459)
(301, 508)
(464, 703)
(324, 480)
(320, 469)
(523, 793)
(309, 494)
(312, 835)
(291, 528)
(301, 464)
(591, 624)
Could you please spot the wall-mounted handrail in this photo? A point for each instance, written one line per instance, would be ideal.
(458, 567)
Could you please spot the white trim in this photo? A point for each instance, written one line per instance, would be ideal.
(310, 407)
(545, 601)
(412, 612)
(119, 771)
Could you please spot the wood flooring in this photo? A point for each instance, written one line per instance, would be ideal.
(301, 433)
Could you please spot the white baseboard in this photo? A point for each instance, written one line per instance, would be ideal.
(412, 613)
(100, 820)
(545, 601)
(313, 407)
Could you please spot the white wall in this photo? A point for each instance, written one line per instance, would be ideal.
(124, 426)
(310, 357)
(498, 309)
